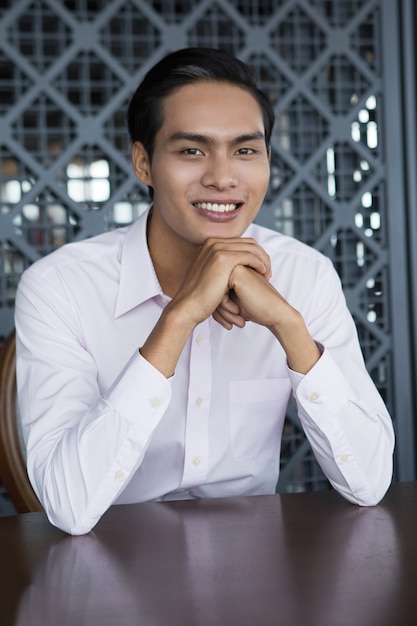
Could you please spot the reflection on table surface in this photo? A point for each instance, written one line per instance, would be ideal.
(310, 559)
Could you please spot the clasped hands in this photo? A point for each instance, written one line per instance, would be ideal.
(230, 281)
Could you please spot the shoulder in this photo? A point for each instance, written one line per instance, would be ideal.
(89, 251)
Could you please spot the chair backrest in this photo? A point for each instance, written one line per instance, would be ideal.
(13, 473)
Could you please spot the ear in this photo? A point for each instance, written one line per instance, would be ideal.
(141, 163)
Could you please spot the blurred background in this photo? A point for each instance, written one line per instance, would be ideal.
(342, 77)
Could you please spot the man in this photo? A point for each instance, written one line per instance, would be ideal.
(155, 362)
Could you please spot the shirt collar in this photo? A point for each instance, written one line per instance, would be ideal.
(138, 280)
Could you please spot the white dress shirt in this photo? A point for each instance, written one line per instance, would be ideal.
(102, 426)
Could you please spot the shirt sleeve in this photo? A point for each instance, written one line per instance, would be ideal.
(340, 409)
(82, 447)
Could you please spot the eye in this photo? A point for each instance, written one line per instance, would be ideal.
(245, 151)
(192, 151)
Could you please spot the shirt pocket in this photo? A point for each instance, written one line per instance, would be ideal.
(257, 413)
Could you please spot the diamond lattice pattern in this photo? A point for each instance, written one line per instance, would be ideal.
(67, 70)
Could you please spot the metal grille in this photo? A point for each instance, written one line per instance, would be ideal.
(67, 69)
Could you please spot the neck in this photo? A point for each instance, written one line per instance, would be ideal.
(171, 256)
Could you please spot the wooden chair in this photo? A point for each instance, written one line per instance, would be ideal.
(13, 473)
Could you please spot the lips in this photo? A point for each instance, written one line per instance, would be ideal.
(217, 207)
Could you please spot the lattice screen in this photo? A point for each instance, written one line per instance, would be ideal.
(67, 69)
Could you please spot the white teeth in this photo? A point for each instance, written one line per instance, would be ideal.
(213, 206)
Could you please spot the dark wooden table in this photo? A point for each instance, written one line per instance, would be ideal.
(292, 560)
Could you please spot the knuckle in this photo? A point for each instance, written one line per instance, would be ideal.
(211, 242)
(219, 254)
(238, 272)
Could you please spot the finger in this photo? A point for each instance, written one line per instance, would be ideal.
(253, 255)
(220, 320)
(228, 319)
(229, 304)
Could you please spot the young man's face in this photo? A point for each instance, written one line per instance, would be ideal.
(210, 166)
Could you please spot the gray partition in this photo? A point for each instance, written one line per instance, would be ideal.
(332, 69)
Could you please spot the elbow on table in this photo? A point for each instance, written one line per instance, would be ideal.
(370, 493)
(68, 523)
(61, 512)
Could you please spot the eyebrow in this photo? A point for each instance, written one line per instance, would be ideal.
(195, 137)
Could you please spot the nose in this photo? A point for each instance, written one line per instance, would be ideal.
(219, 173)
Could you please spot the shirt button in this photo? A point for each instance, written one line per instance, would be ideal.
(196, 461)
(199, 340)
(155, 402)
(199, 401)
(344, 458)
(314, 396)
(119, 475)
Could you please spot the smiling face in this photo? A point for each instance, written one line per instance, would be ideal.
(210, 165)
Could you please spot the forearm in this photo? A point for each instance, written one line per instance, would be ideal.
(260, 302)
(79, 462)
(349, 429)
(301, 350)
(165, 343)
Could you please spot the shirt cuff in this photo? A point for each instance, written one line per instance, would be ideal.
(323, 391)
(127, 394)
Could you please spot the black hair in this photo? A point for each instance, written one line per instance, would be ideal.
(183, 67)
